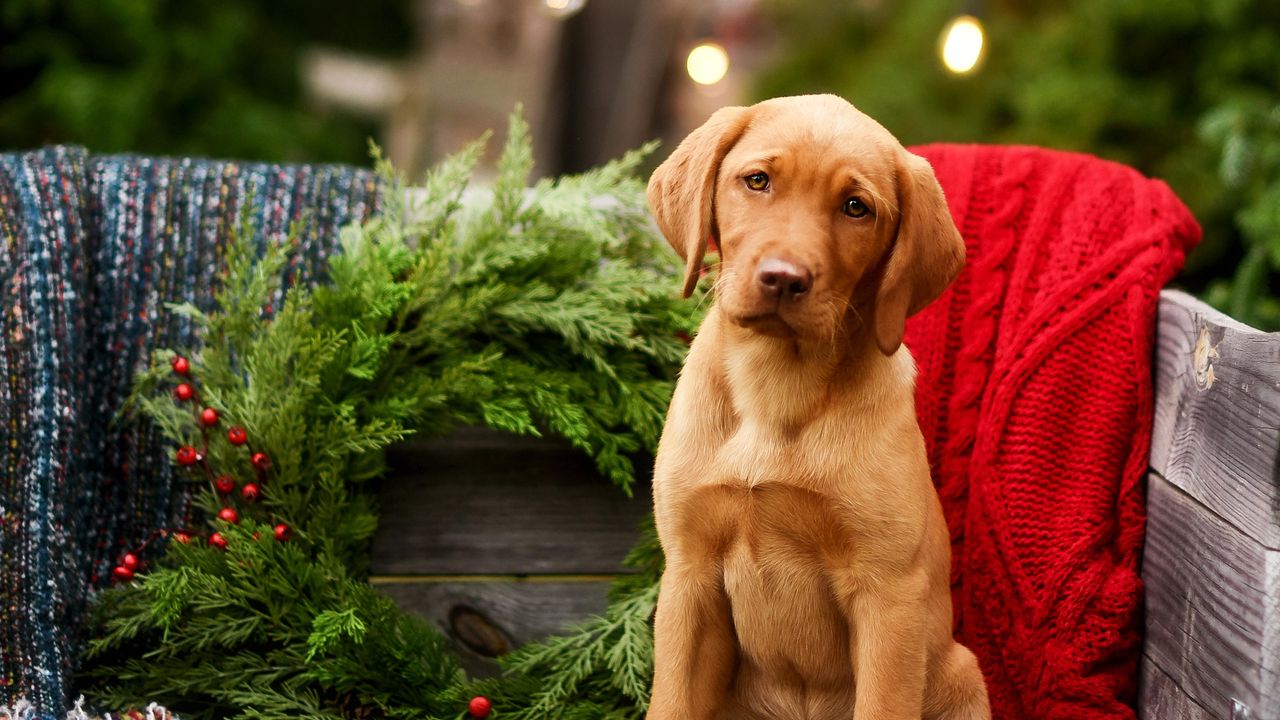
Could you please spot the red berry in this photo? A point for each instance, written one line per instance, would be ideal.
(186, 455)
(249, 492)
(184, 391)
(479, 707)
(180, 365)
(129, 561)
(209, 417)
(229, 514)
(218, 541)
(182, 537)
(224, 484)
(261, 461)
(282, 532)
(237, 436)
(122, 573)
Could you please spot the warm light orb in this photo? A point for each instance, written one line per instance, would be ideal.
(563, 8)
(962, 43)
(708, 63)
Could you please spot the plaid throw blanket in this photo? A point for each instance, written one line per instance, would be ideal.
(91, 249)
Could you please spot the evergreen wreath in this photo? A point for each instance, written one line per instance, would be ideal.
(536, 310)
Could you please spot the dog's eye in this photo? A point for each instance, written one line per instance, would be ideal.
(855, 208)
(757, 181)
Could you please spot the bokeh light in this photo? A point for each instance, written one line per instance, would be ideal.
(708, 63)
(563, 8)
(963, 41)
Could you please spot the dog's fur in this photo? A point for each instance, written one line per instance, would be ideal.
(808, 561)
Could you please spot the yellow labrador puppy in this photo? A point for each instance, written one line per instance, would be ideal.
(808, 561)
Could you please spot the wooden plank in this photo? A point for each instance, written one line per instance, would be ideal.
(487, 618)
(486, 503)
(1217, 414)
(1213, 607)
(1160, 698)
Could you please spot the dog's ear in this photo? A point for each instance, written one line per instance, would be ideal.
(926, 255)
(683, 187)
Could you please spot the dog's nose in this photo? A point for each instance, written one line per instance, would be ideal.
(781, 279)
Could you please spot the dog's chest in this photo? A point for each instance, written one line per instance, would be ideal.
(776, 561)
(786, 518)
(753, 455)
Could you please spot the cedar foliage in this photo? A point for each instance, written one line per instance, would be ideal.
(531, 310)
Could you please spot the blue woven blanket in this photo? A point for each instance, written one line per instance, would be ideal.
(91, 249)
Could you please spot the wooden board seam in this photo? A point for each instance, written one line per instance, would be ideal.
(1182, 492)
(547, 578)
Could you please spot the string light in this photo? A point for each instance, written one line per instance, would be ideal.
(708, 63)
(963, 42)
(563, 8)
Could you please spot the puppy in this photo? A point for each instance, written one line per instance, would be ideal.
(808, 561)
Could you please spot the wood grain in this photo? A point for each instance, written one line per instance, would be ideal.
(486, 618)
(1160, 698)
(1217, 414)
(482, 502)
(1212, 606)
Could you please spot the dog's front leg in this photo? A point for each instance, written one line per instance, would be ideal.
(888, 648)
(694, 647)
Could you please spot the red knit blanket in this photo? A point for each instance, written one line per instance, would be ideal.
(1035, 399)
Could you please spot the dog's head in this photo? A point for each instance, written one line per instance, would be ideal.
(821, 216)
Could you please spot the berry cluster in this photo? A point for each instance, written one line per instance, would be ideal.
(225, 487)
(223, 484)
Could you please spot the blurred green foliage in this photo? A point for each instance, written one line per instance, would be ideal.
(1184, 90)
(167, 76)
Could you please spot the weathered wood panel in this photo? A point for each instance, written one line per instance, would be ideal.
(1160, 698)
(1217, 422)
(1211, 563)
(486, 618)
(500, 540)
(1211, 605)
(484, 503)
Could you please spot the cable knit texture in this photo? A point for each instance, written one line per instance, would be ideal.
(1035, 399)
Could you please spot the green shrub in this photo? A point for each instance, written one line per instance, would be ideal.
(192, 78)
